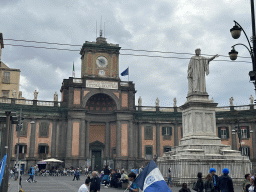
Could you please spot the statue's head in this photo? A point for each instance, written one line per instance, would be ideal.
(198, 51)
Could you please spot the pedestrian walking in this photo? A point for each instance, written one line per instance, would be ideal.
(199, 184)
(31, 173)
(169, 183)
(246, 182)
(95, 182)
(84, 187)
(215, 179)
(225, 182)
(208, 184)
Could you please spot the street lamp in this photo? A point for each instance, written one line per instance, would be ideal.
(236, 32)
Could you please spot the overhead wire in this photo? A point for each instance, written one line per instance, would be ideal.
(136, 50)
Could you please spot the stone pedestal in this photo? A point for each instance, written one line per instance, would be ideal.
(200, 148)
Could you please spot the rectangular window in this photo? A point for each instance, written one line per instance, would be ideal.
(223, 133)
(245, 151)
(243, 132)
(43, 149)
(5, 93)
(22, 149)
(148, 133)
(149, 152)
(166, 130)
(23, 131)
(167, 149)
(43, 129)
(6, 77)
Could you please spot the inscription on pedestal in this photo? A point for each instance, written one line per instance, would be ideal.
(101, 84)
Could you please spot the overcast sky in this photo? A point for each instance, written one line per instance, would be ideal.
(173, 26)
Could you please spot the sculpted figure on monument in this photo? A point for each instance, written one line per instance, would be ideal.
(197, 68)
(174, 102)
(140, 101)
(55, 96)
(157, 102)
(231, 99)
(251, 100)
(35, 95)
(14, 93)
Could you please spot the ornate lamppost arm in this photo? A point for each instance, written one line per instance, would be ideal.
(245, 35)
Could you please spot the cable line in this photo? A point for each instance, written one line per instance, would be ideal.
(137, 50)
(154, 56)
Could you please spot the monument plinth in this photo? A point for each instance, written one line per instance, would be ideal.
(200, 148)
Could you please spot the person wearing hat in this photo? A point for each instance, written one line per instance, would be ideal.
(215, 179)
(225, 182)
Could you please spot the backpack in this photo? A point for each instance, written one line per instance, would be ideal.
(30, 171)
(195, 186)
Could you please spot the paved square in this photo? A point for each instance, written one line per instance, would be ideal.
(64, 184)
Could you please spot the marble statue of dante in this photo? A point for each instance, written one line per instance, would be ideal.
(35, 95)
(140, 101)
(174, 102)
(251, 100)
(197, 68)
(55, 96)
(231, 99)
(157, 102)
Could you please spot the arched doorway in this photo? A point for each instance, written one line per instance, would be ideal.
(100, 103)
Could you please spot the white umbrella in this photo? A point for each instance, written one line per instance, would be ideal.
(53, 160)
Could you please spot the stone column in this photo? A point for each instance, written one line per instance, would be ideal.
(130, 139)
(53, 142)
(107, 140)
(176, 134)
(139, 140)
(69, 139)
(32, 138)
(233, 138)
(158, 142)
(82, 138)
(253, 140)
(118, 139)
(87, 141)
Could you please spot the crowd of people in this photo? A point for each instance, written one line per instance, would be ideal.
(222, 183)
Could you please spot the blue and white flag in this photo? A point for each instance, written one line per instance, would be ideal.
(151, 179)
(2, 165)
(125, 72)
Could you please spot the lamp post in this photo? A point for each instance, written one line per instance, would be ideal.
(236, 32)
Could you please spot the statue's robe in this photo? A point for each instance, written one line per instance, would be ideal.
(197, 68)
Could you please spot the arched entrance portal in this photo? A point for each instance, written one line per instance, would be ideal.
(100, 102)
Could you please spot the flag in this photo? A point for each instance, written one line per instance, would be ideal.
(125, 72)
(2, 165)
(73, 70)
(151, 179)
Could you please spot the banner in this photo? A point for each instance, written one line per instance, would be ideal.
(2, 165)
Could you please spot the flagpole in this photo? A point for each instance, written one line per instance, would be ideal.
(128, 74)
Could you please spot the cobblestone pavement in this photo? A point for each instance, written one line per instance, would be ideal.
(63, 184)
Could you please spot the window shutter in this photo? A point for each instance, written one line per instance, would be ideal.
(219, 132)
(170, 129)
(16, 147)
(25, 149)
(47, 149)
(248, 132)
(248, 152)
(163, 131)
(227, 130)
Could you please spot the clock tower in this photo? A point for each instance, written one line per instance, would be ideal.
(100, 59)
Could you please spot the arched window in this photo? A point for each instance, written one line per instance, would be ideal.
(100, 102)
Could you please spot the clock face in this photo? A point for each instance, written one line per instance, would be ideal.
(102, 62)
(101, 73)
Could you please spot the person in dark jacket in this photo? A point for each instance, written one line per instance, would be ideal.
(199, 183)
(215, 179)
(95, 182)
(208, 184)
(225, 182)
(184, 188)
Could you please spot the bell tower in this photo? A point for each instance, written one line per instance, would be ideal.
(100, 59)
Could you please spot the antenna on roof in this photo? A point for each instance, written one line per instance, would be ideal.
(101, 27)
